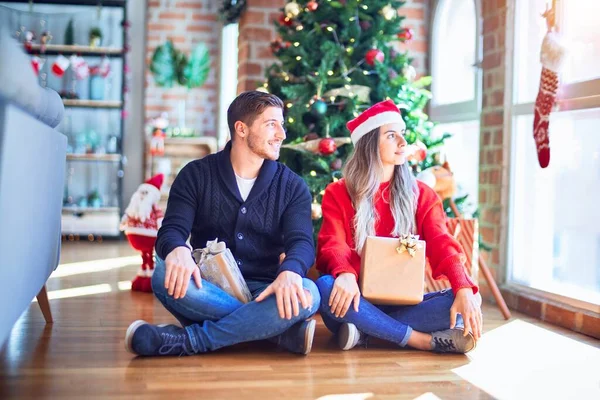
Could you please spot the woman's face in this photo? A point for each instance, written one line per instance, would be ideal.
(392, 145)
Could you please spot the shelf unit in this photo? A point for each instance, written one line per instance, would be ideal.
(67, 50)
(98, 172)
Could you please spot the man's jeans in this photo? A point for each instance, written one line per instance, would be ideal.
(391, 323)
(214, 319)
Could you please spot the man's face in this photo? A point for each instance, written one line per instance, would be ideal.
(267, 133)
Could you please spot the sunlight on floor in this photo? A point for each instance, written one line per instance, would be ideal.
(351, 396)
(94, 266)
(548, 365)
(427, 396)
(86, 290)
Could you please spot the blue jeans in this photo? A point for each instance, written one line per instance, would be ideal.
(214, 319)
(392, 323)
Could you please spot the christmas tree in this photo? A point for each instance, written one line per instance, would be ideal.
(337, 58)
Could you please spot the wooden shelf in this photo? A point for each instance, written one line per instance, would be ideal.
(94, 157)
(55, 49)
(77, 210)
(93, 103)
(94, 3)
(209, 141)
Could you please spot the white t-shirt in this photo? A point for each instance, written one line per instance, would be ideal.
(245, 186)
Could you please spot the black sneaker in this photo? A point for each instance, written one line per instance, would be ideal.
(299, 338)
(452, 341)
(145, 339)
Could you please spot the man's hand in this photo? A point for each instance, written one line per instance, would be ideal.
(179, 267)
(288, 290)
(468, 305)
(345, 291)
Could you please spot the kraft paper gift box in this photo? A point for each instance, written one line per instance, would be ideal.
(218, 267)
(392, 270)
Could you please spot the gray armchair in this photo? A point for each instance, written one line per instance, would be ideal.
(32, 173)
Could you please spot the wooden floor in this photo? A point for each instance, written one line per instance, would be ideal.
(81, 355)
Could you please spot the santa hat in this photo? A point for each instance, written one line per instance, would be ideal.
(153, 185)
(382, 113)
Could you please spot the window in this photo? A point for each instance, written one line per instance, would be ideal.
(228, 81)
(456, 88)
(554, 230)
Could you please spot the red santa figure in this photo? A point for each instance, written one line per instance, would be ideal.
(140, 223)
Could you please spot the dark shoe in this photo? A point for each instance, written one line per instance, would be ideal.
(349, 336)
(452, 341)
(145, 339)
(299, 338)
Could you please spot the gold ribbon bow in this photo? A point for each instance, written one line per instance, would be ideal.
(213, 247)
(408, 243)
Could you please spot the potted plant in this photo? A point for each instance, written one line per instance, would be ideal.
(95, 37)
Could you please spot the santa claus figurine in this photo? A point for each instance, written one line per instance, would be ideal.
(140, 223)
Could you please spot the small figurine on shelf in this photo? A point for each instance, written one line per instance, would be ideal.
(28, 42)
(141, 222)
(45, 40)
(95, 37)
(159, 132)
(94, 199)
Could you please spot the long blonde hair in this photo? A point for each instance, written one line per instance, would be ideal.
(362, 174)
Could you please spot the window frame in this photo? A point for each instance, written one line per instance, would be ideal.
(574, 96)
(459, 111)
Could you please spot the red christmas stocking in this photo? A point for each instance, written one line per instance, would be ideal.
(552, 56)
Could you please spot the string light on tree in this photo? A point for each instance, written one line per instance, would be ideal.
(316, 212)
(312, 5)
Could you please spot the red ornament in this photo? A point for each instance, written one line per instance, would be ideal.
(327, 146)
(374, 55)
(405, 35)
(285, 21)
(312, 5)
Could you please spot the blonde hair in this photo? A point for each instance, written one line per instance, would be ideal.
(362, 174)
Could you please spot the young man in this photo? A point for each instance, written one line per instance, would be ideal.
(260, 209)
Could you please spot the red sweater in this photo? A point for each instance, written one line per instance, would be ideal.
(335, 243)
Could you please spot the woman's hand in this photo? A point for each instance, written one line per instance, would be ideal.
(468, 305)
(345, 291)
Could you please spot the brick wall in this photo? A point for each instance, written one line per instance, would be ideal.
(186, 23)
(492, 170)
(257, 31)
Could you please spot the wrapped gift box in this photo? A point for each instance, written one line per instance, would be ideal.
(392, 270)
(218, 267)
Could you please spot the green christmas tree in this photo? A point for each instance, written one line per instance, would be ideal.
(337, 58)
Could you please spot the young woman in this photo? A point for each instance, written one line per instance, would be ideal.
(379, 196)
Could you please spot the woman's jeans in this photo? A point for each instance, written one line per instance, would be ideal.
(391, 323)
(214, 319)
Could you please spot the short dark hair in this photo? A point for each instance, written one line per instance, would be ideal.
(248, 106)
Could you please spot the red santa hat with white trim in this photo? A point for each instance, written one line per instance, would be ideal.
(382, 113)
(153, 185)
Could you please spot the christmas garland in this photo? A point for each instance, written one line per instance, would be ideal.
(231, 11)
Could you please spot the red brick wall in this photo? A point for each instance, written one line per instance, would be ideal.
(186, 23)
(492, 172)
(256, 31)
(417, 16)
